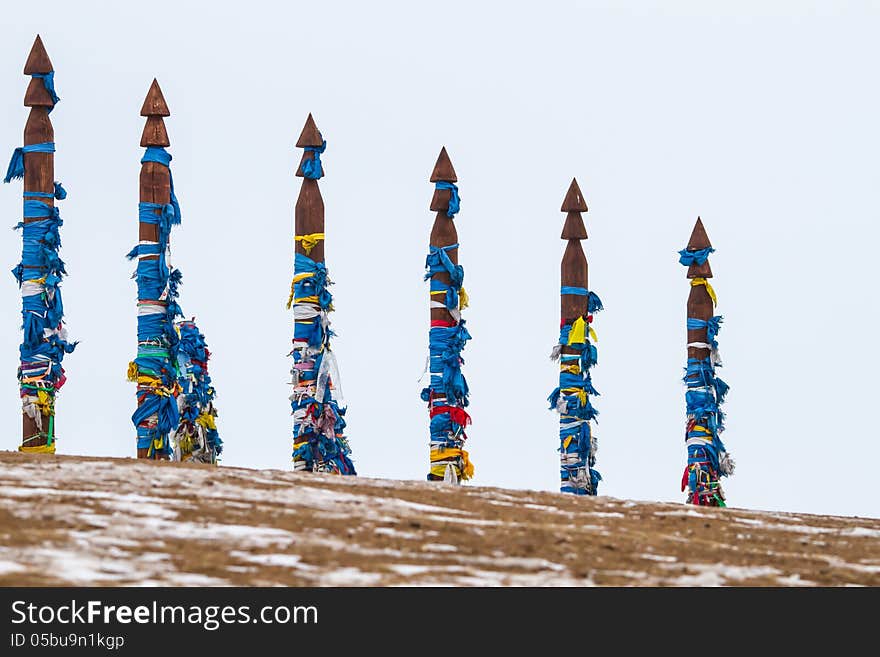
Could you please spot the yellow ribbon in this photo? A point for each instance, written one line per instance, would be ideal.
(309, 241)
(574, 368)
(132, 373)
(467, 468)
(581, 394)
(593, 334)
(185, 442)
(44, 403)
(39, 449)
(463, 299)
(703, 281)
(577, 333)
(206, 420)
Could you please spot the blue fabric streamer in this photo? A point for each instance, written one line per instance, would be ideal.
(163, 157)
(454, 199)
(313, 169)
(16, 164)
(575, 431)
(698, 257)
(712, 327)
(49, 83)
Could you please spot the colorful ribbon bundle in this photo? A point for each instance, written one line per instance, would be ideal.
(39, 275)
(319, 444)
(155, 369)
(571, 399)
(447, 394)
(196, 437)
(708, 459)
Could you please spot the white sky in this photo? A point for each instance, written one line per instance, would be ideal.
(759, 116)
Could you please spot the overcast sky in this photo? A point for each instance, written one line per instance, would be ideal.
(761, 117)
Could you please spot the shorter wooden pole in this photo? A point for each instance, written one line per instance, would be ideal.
(708, 459)
(576, 354)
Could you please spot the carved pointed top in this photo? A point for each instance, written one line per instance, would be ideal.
(699, 239)
(154, 103)
(38, 60)
(443, 169)
(310, 135)
(574, 200)
(574, 228)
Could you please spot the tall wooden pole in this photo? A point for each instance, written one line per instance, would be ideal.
(708, 459)
(155, 368)
(319, 444)
(576, 354)
(40, 271)
(447, 393)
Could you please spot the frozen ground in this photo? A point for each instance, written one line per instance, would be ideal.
(68, 520)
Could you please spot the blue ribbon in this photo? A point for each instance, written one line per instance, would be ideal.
(454, 199)
(16, 163)
(712, 327)
(49, 83)
(163, 157)
(698, 257)
(312, 169)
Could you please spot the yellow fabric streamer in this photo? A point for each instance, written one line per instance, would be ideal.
(132, 373)
(703, 281)
(697, 427)
(185, 442)
(574, 368)
(39, 449)
(467, 468)
(581, 394)
(577, 333)
(297, 279)
(309, 241)
(206, 420)
(463, 299)
(45, 403)
(593, 334)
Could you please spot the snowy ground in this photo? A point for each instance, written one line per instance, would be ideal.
(98, 521)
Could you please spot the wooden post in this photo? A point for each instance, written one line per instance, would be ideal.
(447, 393)
(708, 460)
(155, 368)
(577, 354)
(40, 271)
(319, 444)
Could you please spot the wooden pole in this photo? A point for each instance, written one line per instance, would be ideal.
(40, 271)
(155, 369)
(447, 394)
(708, 460)
(576, 354)
(319, 444)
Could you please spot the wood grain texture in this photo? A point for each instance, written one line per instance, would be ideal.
(38, 59)
(443, 232)
(699, 303)
(574, 271)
